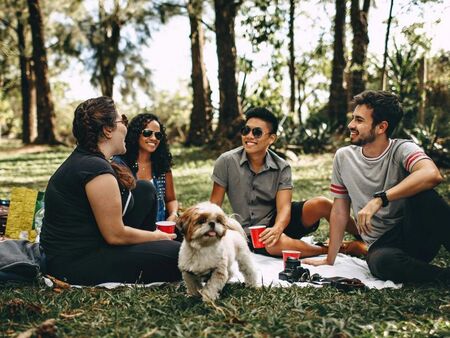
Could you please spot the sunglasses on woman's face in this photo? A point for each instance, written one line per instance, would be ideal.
(257, 131)
(124, 120)
(149, 133)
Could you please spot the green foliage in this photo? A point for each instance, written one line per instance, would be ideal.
(312, 137)
(264, 22)
(174, 110)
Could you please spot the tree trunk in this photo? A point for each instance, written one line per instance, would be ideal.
(200, 130)
(301, 99)
(108, 47)
(28, 118)
(292, 55)
(230, 114)
(422, 89)
(359, 21)
(337, 104)
(385, 55)
(44, 103)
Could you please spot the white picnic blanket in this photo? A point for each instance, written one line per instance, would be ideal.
(269, 267)
(344, 266)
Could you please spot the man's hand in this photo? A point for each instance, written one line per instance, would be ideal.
(316, 262)
(270, 236)
(365, 215)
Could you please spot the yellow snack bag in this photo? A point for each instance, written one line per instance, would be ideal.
(19, 224)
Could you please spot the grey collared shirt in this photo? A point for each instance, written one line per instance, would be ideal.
(252, 195)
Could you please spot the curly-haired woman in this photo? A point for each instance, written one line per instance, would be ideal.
(91, 232)
(149, 158)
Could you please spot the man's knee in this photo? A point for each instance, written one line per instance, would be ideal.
(321, 202)
(319, 206)
(384, 263)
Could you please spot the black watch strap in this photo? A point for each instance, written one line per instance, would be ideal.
(382, 195)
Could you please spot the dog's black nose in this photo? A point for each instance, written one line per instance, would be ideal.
(212, 225)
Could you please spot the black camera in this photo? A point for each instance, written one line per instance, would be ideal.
(294, 272)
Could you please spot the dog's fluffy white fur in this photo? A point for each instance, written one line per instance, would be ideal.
(212, 242)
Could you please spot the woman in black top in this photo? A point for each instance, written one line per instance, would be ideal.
(94, 229)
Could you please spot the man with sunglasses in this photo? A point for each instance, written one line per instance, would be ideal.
(389, 184)
(258, 184)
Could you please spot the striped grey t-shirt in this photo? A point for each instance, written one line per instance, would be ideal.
(358, 177)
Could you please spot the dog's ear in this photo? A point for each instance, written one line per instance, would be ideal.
(182, 223)
(185, 223)
(236, 226)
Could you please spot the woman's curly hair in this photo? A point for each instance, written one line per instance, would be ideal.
(161, 158)
(87, 127)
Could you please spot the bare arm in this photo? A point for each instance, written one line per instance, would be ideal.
(424, 175)
(217, 194)
(104, 197)
(170, 198)
(270, 236)
(340, 215)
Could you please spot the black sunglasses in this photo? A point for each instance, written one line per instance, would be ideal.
(149, 133)
(124, 120)
(257, 131)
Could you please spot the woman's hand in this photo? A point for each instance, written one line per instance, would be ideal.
(173, 216)
(159, 235)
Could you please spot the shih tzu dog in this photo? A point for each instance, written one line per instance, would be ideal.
(212, 242)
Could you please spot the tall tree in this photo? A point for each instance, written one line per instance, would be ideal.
(292, 56)
(28, 115)
(200, 130)
(112, 50)
(386, 41)
(230, 113)
(359, 21)
(44, 103)
(337, 104)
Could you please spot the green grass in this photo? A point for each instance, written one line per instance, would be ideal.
(413, 311)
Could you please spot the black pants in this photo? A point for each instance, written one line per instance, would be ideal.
(155, 261)
(403, 253)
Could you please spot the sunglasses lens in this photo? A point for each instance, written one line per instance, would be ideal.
(245, 130)
(147, 133)
(257, 132)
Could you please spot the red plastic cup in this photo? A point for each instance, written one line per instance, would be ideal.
(255, 231)
(290, 253)
(166, 226)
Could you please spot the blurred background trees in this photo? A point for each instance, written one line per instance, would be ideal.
(309, 86)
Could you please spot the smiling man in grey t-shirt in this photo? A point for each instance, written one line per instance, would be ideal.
(388, 182)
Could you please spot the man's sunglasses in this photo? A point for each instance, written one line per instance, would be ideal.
(149, 133)
(257, 131)
(124, 120)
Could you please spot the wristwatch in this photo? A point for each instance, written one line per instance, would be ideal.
(382, 195)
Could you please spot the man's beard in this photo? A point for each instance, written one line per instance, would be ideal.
(363, 141)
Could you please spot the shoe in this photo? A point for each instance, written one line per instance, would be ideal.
(354, 248)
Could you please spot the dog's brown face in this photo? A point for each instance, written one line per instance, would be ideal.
(205, 223)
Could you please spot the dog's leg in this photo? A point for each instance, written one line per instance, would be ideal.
(193, 283)
(215, 284)
(246, 267)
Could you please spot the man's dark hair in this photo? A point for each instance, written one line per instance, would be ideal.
(263, 114)
(386, 107)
